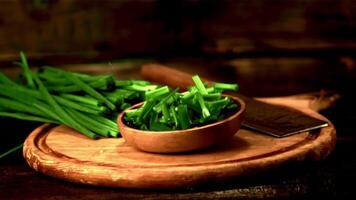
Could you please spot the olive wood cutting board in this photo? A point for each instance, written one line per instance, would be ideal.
(61, 152)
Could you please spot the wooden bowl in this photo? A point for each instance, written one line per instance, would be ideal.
(183, 140)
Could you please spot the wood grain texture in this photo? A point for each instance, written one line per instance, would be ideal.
(62, 153)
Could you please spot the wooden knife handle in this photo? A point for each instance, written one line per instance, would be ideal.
(168, 76)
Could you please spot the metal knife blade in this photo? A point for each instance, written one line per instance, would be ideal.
(277, 121)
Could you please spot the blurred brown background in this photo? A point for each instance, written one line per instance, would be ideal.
(145, 27)
(271, 47)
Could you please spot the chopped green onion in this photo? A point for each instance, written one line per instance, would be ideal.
(175, 111)
(199, 85)
(203, 107)
(183, 116)
(152, 94)
(140, 88)
(226, 86)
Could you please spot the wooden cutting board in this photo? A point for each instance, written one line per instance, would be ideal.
(61, 152)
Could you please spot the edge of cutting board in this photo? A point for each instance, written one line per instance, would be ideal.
(42, 154)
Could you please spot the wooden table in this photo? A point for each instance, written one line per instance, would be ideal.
(309, 180)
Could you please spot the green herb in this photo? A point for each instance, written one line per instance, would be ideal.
(18, 147)
(85, 87)
(81, 99)
(152, 94)
(226, 86)
(27, 117)
(166, 109)
(5, 80)
(87, 103)
(199, 85)
(26, 69)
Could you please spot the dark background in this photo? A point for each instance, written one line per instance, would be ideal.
(271, 48)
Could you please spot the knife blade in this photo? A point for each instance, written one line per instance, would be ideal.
(273, 120)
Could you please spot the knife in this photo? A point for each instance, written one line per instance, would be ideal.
(273, 120)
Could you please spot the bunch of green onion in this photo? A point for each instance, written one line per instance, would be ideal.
(86, 103)
(165, 109)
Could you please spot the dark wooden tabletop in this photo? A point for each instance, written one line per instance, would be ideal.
(332, 178)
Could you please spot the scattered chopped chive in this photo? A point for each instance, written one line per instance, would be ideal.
(165, 100)
(155, 126)
(133, 113)
(174, 116)
(116, 100)
(127, 94)
(199, 84)
(146, 109)
(124, 106)
(119, 83)
(226, 86)
(232, 106)
(143, 127)
(183, 116)
(204, 109)
(217, 106)
(189, 94)
(153, 119)
(212, 96)
(140, 88)
(210, 89)
(114, 134)
(152, 94)
(140, 82)
(193, 105)
(166, 116)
